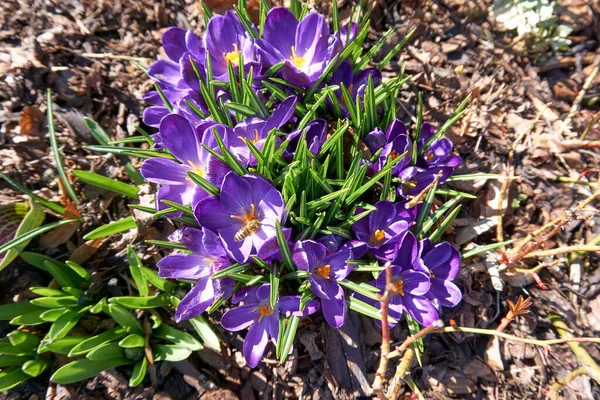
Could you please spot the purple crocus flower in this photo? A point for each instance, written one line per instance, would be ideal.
(354, 83)
(439, 152)
(256, 131)
(416, 179)
(262, 319)
(244, 216)
(325, 269)
(442, 261)
(226, 38)
(305, 46)
(394, 142)
(185, 143)
(410, 285)
(347, 33)
(208, 256)
(383, 228)
(316, 134)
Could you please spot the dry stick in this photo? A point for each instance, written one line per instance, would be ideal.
(401, 372)
(579, 98)
(555, 221)
(563, 250)
(417, 199)
(500, 211)
(587, 362)
(384, 301)
(589, 126)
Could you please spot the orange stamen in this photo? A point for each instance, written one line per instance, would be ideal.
(245, 218)
(265, 311)
(399, 287)
(324, 271)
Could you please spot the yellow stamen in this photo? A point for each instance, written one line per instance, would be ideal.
(253, 141)
(233, 56)
(431, 275)
(245, 218)
(324, 271)
(394, 154)
(399, 287)
(265, 311)
(379, 235)
(197, 170)
(298, 61)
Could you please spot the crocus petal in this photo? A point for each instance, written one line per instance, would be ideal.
(308, 255)
(255, 343)
(280, 30)
(184, 266)
(166, 72)
(335, 308)
(239, 318)
(311, 37)
(446, 292)
(210, 214)
(290, 305)
(196, 301)
(415, 282)
(211, 243)
(443, 260)
(164, 171)
(395, 309)
(241, 250)
(281, 115)
(421, 309)
(237, 198)
(154, 114)
(174, 42)
(181, 139)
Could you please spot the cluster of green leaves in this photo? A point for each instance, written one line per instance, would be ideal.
(47, 325)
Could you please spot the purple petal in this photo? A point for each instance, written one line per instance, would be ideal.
(281, 115)
(395, 309)
(164, 171)
(309, 255)
(212, 244)
(414, 282)
(237, 195)
(165, 72)
(421, 309)
(448, 294)
(196, 301)
(240, 251)
(183, 266)
(210, 214)
(154, 114)
(280, 30)
(290, 305)
(335, 309)
(239, 318)
(174, 42)
(255, 343)
(311, 37)
(443, 260)
(181, 139)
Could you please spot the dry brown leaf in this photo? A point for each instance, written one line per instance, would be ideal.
(63, 233)
(86, 251)
(31, 121)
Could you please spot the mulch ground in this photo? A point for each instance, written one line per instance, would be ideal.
(514, 125)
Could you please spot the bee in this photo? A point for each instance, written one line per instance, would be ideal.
(247, 230)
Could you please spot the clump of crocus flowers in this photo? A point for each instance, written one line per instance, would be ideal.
(296, 182)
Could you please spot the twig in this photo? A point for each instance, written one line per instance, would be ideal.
(589, 126)
(580, 95)
(583, 357)
(555, 221)
(401, 371)
(384, 301)
(563, 250)
(500, 211)
(417, 199)
(557, 387)
(536, 342)
(437, 325)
